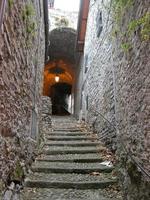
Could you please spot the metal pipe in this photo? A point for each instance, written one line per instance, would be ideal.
(2, 11)
(46, 21)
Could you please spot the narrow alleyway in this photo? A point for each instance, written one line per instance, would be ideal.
(70, 166)
(74, 100)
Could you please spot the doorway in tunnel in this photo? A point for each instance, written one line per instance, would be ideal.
(61, 98)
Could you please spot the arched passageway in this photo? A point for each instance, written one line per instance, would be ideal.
(59, 73)
(61, 98)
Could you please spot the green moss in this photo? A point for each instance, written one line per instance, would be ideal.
(10, 3)
(28, 16)
(119, 7)
(114, 32)
(143, 24)
(18, 172)
(28, 12)
(31, 28)
(126, 46)
(134, 174)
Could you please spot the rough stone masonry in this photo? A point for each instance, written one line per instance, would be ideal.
(22, 51)
(113, 86)
(114, 83)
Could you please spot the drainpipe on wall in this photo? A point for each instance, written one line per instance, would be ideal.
(2, 11)
(46, 21)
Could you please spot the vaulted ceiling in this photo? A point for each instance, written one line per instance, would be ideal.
(62, 44)
(61, 58)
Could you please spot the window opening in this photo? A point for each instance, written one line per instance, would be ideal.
(99, 25)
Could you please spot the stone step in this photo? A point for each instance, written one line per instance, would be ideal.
(65, 124)
(67, 138)
(60, 167)
(72, 121)
(69, 150)
(70, 167)
(80, 158)
(67, 133)
(64, 194)
(72, 143)
(67, 129)
(61, 122)
(64, 119)
(69, 181)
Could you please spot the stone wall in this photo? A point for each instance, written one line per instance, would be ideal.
(132, 85)
(45, 119)
(115, 83)
(96, 76)
(22, 54)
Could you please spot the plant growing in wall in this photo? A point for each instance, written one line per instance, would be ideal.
(28, 16)
(142, 24)
(126, 46)
(119, 7)
(10, 3)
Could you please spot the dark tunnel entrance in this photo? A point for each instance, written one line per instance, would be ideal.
(61, 98)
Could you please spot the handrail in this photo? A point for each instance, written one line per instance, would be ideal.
(2, 11)
(122, 143)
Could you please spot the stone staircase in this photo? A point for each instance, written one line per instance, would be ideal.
(70, 167)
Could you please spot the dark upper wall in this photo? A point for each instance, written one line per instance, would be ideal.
(62, 44)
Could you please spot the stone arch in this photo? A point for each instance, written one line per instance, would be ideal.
(62, 59)
(62, 44)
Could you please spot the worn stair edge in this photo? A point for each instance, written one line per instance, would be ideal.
(72, 144)
(67, 130)
(71, 157)
(71, 151)
(67, 134)
(83, 160)
(71, 170)
(67, 138)
(70, 185)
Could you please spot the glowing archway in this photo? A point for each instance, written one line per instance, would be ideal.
(62, 61)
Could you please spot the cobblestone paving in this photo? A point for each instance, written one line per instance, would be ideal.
(64, 176)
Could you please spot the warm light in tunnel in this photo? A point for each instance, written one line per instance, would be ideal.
(49, 75)
(57, 78)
